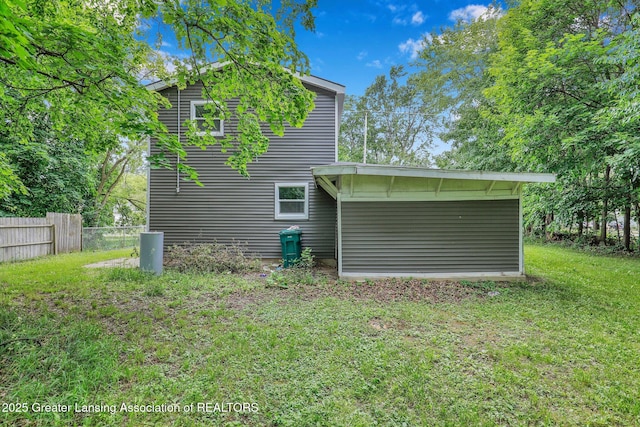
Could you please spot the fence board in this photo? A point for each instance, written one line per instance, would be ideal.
(68, 231)
(24, 238)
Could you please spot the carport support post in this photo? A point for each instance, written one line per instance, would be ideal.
(339, 204)
(520, 236)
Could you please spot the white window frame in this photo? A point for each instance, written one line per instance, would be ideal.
(196, 103)
(303, 215)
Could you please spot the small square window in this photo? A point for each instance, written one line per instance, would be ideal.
(198, 110)
(292, 200)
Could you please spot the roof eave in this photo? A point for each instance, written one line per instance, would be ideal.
(383, 170)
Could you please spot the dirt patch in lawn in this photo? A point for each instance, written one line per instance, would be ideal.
(119, 262)
(391, 290)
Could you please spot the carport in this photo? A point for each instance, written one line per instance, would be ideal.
(396, 221)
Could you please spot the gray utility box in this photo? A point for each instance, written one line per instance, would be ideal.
(151, 251)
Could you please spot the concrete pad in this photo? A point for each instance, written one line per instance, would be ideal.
(119, 262)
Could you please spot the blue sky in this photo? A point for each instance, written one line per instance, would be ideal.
(357, 40)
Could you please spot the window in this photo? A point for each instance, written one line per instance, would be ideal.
(198, 109)
(292, 200)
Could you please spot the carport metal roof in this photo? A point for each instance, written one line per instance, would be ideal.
(340, 177)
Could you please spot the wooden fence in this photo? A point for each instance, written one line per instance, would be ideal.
(24, 238)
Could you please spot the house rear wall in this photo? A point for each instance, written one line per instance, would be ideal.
(230, 207)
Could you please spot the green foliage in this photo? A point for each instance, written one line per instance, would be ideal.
(58, 176)
(260, 62)
(121, 192)
(549, 82)
(300, 273)
(210, 257)
(399, 123)
(9, 182)
(128, 200)
(453, 72)
(546, 86)
(82, 65)
(307, 260)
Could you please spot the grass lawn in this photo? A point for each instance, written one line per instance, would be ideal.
(560, 349)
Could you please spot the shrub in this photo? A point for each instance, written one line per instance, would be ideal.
(301, 273)
(210, 258)
(306, 261)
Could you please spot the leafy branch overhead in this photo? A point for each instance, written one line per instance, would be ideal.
(82, 66)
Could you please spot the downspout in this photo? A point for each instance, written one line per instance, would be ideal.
(146, 228)
(178, 155)
(337, 128)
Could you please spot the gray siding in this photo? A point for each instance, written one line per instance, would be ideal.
(430, 237)
(230, 207)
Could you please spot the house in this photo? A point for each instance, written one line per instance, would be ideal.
(371, 220)
(280, 192)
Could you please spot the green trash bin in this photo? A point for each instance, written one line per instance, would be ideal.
(291, 246)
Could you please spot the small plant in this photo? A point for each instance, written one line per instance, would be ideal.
(278, 279)
(307, 260)
(301, 273)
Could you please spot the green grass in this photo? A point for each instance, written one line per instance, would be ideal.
(53, 274)
(561, 349)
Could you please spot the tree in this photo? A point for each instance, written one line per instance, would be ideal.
(549, 73)
(351, 137)
(453, 73)
(399, 123)
(129, 200)
(57, 175)
(116, 165)
(623, 115)
(82, 65)
(547, 85)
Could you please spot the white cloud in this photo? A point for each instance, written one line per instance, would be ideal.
(412, 47)
(468, 13)
(374, 64)
(418, 18)
(362, 55)
(370, 17)
(317, 65)
(405, 14)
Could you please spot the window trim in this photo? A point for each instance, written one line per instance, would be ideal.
(194, 104)
(278, 214)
